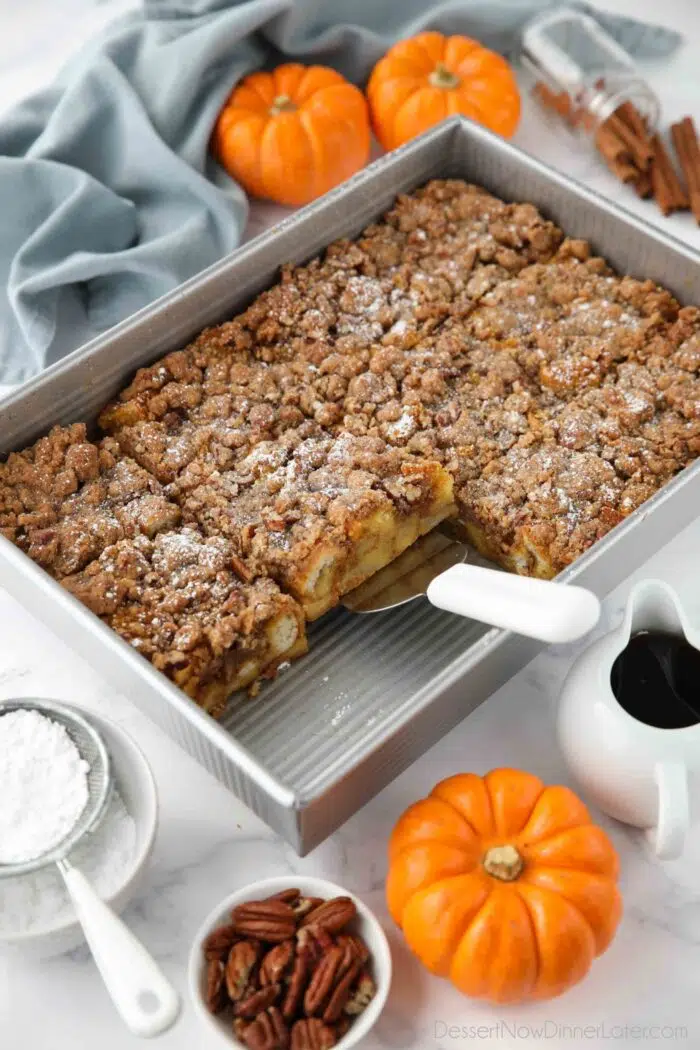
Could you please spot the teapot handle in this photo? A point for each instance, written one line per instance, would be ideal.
(673, 821)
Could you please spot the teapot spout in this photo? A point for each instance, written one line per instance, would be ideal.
(654, 606)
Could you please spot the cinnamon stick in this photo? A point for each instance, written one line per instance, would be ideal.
(631, 116)
(611, 146)
(625, 171)
(685, 141)
(668, 191)
(637, 145)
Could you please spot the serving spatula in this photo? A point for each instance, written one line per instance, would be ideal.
(455, 578)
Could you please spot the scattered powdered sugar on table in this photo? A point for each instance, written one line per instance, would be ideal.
(43, 785)
(39, 900)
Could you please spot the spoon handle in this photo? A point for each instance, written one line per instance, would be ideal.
(542, 609)
(146, 1000)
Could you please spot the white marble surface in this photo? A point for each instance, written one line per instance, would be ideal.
(208, 843)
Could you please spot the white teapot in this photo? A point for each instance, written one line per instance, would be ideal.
(638, 773)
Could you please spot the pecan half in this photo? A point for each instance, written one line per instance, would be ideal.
(272, 920)
(298, 979)
(215, 995)
(288, 896)
(315, 941)
(276, 963)
(304, 905)
(258, 1000)
(220, 942)
(312, 1034)
(267, 1032)
(242, 960)
(341, 994)
(355, 948)
(362, 995)
(332, 915)
(322, 981)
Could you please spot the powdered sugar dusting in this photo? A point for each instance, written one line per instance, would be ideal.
(43, 785)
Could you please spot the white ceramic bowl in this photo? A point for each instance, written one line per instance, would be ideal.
(366, 924)
(135, 783)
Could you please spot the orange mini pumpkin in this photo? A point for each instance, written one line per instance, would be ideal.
(293, 134)
(428, 77)
(503, 885)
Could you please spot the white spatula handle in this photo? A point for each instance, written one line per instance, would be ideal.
(141, 993)
(542, 609)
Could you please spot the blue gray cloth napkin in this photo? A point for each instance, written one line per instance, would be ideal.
(109, 198)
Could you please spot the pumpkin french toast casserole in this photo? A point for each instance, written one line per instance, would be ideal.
(461, 358)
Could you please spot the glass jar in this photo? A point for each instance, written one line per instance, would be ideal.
(579, 74)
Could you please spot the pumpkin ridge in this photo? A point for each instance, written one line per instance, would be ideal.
(407, 101)
(481, 836)
(549, 894)
(266, 142)
(263, 101)
(557, 793)
(287, 78)
(563, 894)
(453, 44)
(564, 840)
(420, 44)
(305, 94)
(494, 782)
(472, 103)
(316, 148)
(560, 892)
(451, 882)
(533, 927)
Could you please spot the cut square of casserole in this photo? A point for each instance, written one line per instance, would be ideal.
(65, 499)
(191, 606)
(537, 508)
(320, 514)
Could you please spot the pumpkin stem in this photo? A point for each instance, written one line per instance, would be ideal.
(442, 77)
(282, 104)
(503, 862)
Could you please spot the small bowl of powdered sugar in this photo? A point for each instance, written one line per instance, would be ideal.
(43, 783)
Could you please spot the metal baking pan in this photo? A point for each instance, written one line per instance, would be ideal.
(375, 692)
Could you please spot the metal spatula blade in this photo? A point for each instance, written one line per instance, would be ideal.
(435, 567)
(409, 575)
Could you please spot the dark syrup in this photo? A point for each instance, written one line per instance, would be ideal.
(656, 679)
